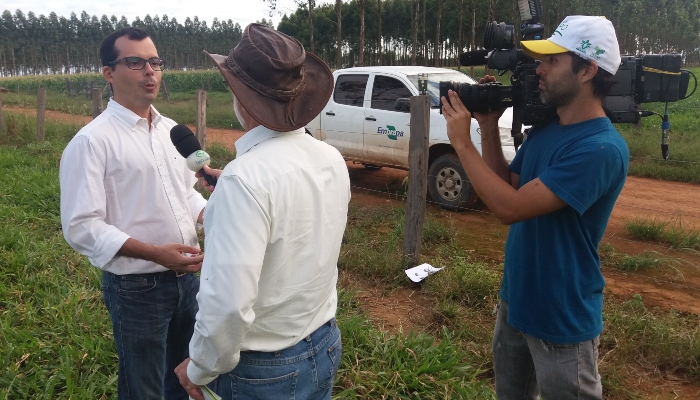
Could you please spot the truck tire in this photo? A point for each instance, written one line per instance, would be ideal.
(448, 184)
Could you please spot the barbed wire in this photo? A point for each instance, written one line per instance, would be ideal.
(655, 247)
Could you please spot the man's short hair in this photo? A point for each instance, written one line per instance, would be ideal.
(108, 52)
(603, 80)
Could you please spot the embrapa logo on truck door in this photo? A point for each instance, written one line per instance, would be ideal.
(390, 132)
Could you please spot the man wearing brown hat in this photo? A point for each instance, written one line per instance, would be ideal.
(273, 228)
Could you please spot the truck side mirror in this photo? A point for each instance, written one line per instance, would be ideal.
(403, 105)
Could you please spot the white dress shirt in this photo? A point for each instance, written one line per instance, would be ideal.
(119, 180)
(273, 229)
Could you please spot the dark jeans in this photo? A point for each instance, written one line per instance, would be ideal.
(527, 367)
(153, 318)
(304, 371)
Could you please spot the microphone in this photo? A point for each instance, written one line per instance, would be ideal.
(470, 58)
(188, 146)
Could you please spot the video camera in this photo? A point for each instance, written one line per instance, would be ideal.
(640, 79)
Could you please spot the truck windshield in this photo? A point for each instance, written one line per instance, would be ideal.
(434, 83)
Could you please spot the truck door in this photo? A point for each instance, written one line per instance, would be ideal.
(386, 129)
(342, 118)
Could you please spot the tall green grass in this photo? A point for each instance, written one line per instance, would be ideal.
(414, 365)
(177, 81)
(671, 233)
(55, 331)
(181, 107)
(464, 293)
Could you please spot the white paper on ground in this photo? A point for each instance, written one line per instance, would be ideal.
(420, 272)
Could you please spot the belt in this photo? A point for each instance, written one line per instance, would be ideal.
(156, 275)
(165, 274)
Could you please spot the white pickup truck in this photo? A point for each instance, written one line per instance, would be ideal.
(364, 121)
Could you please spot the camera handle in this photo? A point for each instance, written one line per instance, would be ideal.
(517, 125)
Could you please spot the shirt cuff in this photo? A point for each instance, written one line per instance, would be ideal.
(197, 375)
(107, 246)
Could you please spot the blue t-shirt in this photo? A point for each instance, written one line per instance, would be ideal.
(552, 280)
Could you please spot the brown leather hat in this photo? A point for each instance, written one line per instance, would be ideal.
(275, 80)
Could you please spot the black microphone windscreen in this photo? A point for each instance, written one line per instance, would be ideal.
(469, 58)
(184, 140)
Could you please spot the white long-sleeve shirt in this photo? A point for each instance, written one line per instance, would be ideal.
(273, 229)
(119, 180)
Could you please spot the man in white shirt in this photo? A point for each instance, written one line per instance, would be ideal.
(273, 229)
(128, 204)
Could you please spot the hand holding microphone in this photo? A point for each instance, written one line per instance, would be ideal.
(188, 146)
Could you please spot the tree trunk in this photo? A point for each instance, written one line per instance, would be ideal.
(473, 47)
(379, 33)
(361, 61)
(414, 43)
(311, 25)
(436, 45)
(339, 13)
(425, 41)
(460, 42)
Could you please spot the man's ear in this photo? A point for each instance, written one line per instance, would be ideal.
(589, 71)
(107, 73)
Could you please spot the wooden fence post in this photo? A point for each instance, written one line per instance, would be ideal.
(40, 115)
(202, 118)
(2, 131)
(417, 178)
(96, 102)
(164, 91)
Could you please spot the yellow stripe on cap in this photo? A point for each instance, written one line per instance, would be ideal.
(538, 48)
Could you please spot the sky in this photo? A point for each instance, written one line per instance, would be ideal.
(241, 11)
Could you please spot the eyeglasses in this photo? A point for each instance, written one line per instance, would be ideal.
(140, 63)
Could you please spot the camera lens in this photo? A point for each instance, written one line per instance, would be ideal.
(483, 97)
(499, 35)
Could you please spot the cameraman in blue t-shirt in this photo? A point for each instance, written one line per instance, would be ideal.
(557, 195)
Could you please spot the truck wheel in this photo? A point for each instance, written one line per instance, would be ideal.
(448, 184)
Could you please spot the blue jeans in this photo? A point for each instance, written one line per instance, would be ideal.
(304, 371)
(153, 318)
(526, 366)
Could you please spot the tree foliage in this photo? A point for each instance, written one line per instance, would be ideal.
(53, 44)
(643, 27)
(31, 44)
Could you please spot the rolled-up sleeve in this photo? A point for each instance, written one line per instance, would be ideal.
(237, 230)
(83, 203)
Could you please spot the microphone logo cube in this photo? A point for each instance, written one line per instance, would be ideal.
(198, 160)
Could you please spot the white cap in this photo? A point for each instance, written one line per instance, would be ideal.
(592, 38)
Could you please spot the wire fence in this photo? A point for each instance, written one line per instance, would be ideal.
(390, 188)
(688, 258)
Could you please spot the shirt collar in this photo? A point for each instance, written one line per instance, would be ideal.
(129, 117)
(258, 135)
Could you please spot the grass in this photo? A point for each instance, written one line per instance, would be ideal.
(672, 234)
(668, 342)
(56, 336)
(465, 292)
(416, 365)
(181, 106)
(644, 140)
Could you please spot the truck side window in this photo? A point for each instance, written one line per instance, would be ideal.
(386, 91)
(350, 89)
